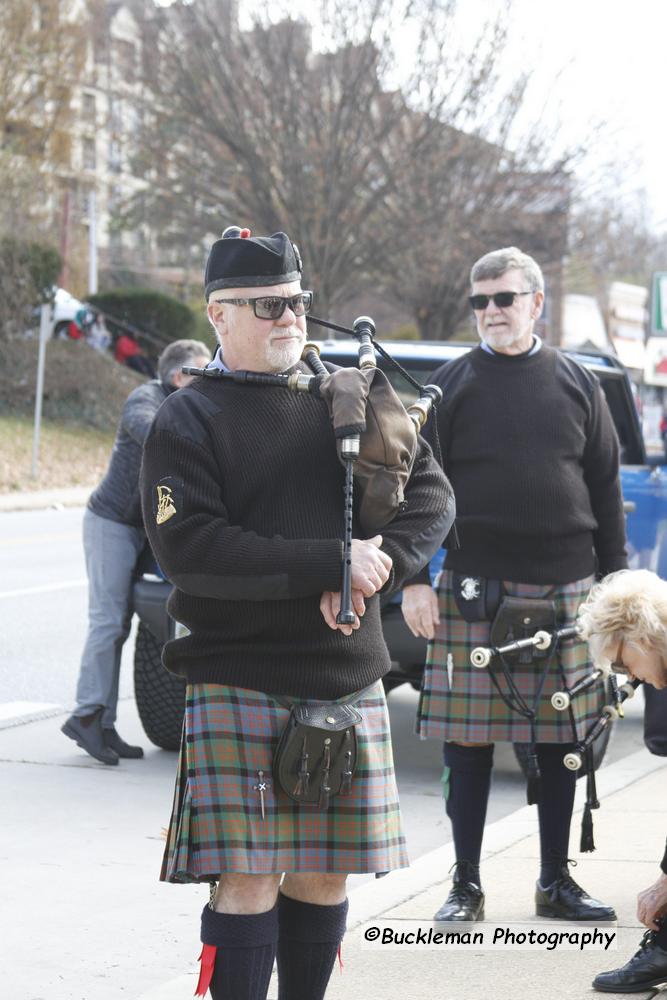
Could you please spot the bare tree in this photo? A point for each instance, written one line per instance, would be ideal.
(260, 128)
(43, 51)
(612, 239)
(387, 178)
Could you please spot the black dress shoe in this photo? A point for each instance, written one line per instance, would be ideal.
(86, 731)
(566, 900)
(123, 749)
(465, 902)
(646, 969)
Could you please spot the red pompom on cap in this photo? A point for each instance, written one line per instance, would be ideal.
(245, 234)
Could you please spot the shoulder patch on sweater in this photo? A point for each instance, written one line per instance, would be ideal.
(167, 499)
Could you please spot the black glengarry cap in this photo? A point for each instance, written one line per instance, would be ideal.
(240, 260)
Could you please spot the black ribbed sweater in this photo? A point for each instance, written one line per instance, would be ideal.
(530, 448)
(257, 490)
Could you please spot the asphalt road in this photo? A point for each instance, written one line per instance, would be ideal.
(43, 613)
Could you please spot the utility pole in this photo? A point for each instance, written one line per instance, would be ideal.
(92, 242)
(63, 277)
(45, 330)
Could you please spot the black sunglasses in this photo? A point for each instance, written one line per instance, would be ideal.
(273, 306)
(500, 299)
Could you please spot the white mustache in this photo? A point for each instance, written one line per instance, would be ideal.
(290, 332)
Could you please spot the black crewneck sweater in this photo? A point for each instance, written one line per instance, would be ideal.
(250, 537)
(530, 449)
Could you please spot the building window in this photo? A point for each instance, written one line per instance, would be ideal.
(115, 160)
(114, 197)
(126, 60)
(88, 109)
(89, 155)
(115, 115)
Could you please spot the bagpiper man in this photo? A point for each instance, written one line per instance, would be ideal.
(529, 445)
(242, 494)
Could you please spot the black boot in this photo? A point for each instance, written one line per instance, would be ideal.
(238, 954)
(646, 969)
(86, 731)
(123, 749)
(465, 902)
(308, 942)
(566, 900)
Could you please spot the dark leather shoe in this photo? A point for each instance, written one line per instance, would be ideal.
(646, 969)
(566, 900)
(123, 749)
(465, 902)
(86, 731)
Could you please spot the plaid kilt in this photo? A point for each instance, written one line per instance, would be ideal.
(230, 734)
(471, 709)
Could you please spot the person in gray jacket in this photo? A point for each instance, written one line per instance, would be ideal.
(113, 538)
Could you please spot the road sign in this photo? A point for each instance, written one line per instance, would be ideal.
(659, 304)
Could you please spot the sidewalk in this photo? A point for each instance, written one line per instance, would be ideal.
(73, 496)
(85, 919)
(630, 831)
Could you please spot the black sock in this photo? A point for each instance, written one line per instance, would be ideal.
(246, 944)
(308, 942)
(661, 935)
(554, 809)
(467, 784)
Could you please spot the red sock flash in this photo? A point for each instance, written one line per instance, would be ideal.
(207, 959)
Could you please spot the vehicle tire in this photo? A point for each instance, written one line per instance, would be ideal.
(60, 330)
(521, 751)
(160, 696)
(389, 683)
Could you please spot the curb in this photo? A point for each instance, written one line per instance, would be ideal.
(74, 496)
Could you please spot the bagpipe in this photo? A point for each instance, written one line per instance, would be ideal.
(580, 757)
(376, 435)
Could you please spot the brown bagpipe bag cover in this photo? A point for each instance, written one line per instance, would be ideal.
(362, 401)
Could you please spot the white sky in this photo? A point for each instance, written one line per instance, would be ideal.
(616, 69)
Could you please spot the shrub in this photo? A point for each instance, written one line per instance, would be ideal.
(157, 318)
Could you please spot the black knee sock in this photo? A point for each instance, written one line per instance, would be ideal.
(661, 935)
(246, 948)
(554, 809)
(467, 784)
(309, 936)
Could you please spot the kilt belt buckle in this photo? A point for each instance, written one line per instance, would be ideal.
(317, 752)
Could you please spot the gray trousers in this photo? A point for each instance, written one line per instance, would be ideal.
(111, 552)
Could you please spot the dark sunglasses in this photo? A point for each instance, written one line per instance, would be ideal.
(500, 299)
(273, 306)
(617, 663)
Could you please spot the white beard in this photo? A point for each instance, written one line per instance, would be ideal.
(501, 339)
(282, 356)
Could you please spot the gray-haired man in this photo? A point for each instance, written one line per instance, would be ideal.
(113, 537)
(529, 445)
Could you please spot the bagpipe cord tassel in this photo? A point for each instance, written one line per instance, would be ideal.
(207, 959)
(533, 770)
(587, 843)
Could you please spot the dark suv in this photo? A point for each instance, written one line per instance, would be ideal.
(160, 695)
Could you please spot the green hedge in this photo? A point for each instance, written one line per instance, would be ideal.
(157, 318)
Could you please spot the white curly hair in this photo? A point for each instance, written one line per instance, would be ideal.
(630, 605)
